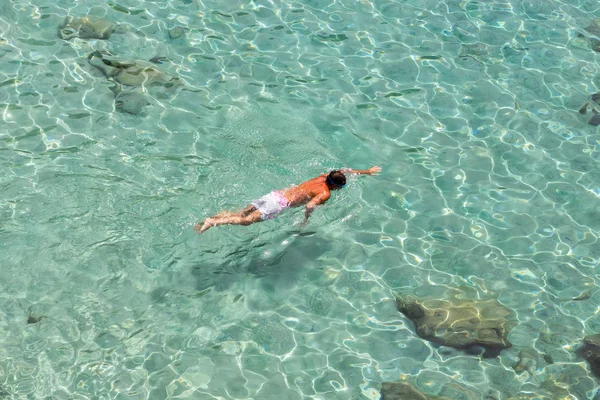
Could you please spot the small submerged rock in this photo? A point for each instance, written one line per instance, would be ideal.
(404, 391)
(477, 51)
(595, 120)
(131, 101)
(473, 325)
(591, 352)
(530, 360)
(177, 32)
(88, 27)
(34, 319)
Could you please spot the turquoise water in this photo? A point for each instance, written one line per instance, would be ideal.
(490, 189)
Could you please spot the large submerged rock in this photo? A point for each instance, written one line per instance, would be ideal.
(131, 72)
(136, 81)
(88, 27)
(404, 391)
(481, 325)
(594, 29)
(591, 352)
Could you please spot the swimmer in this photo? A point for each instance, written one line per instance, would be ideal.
(310, 193)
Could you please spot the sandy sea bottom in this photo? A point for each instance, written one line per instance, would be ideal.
(490, 190)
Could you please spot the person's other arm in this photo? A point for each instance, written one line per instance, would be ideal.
(311, 205)
(370, 171)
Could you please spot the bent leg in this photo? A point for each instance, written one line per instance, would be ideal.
(240, 218)
(250, 209)
(244, 212)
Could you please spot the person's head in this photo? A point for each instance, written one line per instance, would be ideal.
(336, 180)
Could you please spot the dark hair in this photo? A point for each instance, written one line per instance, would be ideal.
(336, 178)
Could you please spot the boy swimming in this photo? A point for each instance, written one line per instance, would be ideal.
(310, 193)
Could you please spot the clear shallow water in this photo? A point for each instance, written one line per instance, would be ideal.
(490, 190)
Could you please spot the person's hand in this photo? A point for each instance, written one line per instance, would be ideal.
(374, 170)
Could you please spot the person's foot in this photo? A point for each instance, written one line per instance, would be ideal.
(208, 223)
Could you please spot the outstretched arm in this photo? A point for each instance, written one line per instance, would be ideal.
(370, 171)
(311, 205)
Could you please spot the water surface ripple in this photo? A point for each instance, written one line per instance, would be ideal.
(490, 190)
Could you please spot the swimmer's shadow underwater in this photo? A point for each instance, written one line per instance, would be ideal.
(280, 264)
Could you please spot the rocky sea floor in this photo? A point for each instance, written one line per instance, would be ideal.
(467, 269)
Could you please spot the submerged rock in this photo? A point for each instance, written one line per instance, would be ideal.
(591, 352)
(177, 32)
(88, 27)
(34, 319)
(134, 80)
(530, 360)
(132, 72)
(594, 27)
(132, 101)
(475, 49)
(473, 325)
(595, 120)
(567, 381)
(158, 59)
(404, 391)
